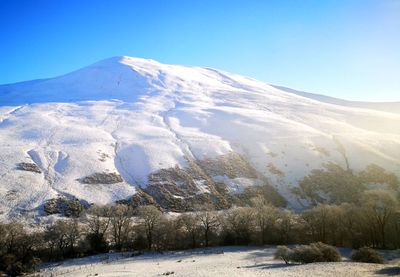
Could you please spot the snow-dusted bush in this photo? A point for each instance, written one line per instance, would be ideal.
(314, 252)
(283, 253)
(305, 254)
(329, 253)
(366, 255)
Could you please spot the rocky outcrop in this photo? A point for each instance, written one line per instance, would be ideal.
(139, 199)
(29, 167)
(232, 165)
(102, 178)
(183, 189)
(178, 189)
(67, 207)
(266, 191)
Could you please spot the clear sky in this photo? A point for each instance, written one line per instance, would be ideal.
(343, 48)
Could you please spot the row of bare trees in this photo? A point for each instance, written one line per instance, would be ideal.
(375, 222)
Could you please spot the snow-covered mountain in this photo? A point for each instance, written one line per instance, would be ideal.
(128, 126)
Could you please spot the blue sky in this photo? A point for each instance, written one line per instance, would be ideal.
(343, 48)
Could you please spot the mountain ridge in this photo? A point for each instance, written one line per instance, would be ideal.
(392, 107)
(127, 61)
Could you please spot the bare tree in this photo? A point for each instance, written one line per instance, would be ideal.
(121, 224)
(379, 206)
(190, 224)
(285, 225)
(316, 220)
(351, 223)
(17, 249)
(98, 219)
(241, 222)
(13, 233)
(166, 234)
(265, 216)
(149, 216)
(97, 222)
(58, 241)
(208, 220)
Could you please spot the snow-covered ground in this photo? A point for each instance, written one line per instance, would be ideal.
(221, 261)
(134, 116)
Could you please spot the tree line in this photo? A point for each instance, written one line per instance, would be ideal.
(375, 223)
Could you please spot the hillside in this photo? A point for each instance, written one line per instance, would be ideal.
(127, 127)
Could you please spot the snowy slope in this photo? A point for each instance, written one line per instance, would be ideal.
(392, 107)
(134, 116)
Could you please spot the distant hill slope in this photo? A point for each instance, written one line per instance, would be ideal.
(392, 107)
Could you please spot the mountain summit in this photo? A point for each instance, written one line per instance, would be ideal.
(124, 78)
(130, 129)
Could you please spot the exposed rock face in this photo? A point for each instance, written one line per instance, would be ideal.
(177, 189)
(182, 189)
(29, 167)
(232, 165)
(67, 207)
(266, 191)
(139, 199)
(102, 178)
(274, 170)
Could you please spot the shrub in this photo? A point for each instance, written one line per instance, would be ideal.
(366, 255)
(283, 253)
(305, 254)
(329, 253)
(315, 252)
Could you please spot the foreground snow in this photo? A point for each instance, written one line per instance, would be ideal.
(226, 261)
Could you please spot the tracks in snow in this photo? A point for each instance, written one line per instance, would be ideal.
(10, 113)
(118, 160)
(184, 146)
